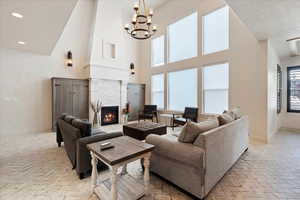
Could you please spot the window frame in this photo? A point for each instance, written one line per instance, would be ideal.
(163, 89)
(168, 87)
(203, 86)
(167, 58)
(164, 51)
(289, 110)
(203, 36)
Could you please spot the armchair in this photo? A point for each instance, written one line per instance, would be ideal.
(149, 112)
(189, 114)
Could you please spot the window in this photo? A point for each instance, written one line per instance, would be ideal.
(293, 89)
(157, 90)
(215, 86)
(158, 51)
(182, 38)
(182, 89)
(216, 31)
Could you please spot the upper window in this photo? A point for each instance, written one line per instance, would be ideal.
(182, 38)
(216, 31)
(293, 89)
(157, 90)
(158, 51)
(182, 89)
(215, 88)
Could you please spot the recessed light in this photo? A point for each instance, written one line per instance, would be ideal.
(21, 42)
(17, 15)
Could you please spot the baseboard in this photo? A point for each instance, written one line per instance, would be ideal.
(258, 139)
(294, 130)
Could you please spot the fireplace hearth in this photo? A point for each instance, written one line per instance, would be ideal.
(109, 115)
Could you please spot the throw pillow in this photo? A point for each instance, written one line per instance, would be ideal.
(237, 113)
(225, 118)
(69, 119)
(191, 130)
(228, 112)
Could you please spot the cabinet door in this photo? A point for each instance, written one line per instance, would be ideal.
(136, 98)
(81, 99)
(62, 97)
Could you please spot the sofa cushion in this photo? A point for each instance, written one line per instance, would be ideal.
(85, 127)
(167, 146)
(192, 130)
(225, 118)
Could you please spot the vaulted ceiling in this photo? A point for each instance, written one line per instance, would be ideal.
(41, 26)
(277, 20)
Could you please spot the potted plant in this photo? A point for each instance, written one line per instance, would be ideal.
(125, 112)
(96, 107)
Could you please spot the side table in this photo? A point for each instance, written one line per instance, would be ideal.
(120, 186)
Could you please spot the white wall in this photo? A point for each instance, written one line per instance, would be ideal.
(246, 56)
(289, 120)
(274, 119)
(110, 19)
(25, 94)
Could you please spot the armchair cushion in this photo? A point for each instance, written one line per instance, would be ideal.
(180, 119)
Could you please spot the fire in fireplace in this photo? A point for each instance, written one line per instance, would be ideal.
(109, 115)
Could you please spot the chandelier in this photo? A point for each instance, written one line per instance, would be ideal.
(141, 26)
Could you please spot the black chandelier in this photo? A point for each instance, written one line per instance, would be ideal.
(141, 26)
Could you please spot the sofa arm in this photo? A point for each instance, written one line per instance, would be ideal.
(98, 137)
(185, 153)
(223, 146)
(83, 154)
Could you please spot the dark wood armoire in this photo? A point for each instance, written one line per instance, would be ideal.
(70, 96)
(136, 98)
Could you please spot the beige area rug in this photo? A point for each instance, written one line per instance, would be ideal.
(33, 167)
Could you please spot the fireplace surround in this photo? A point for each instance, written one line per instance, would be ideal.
(109, 115)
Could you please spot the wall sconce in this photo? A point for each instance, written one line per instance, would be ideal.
(132, 68)
(69, 59)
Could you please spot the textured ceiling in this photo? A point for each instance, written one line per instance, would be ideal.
(41, 26)
(277, 20)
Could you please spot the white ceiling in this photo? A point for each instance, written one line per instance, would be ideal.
(41, 26)
(277, 20)
(156, 3)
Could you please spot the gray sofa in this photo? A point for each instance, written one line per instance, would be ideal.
(76, 134)
(198, 167)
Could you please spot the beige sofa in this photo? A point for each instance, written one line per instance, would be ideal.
(198, 167)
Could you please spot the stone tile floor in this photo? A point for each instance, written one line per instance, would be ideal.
(33, 167)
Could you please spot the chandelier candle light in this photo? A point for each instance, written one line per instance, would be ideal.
(141, 26)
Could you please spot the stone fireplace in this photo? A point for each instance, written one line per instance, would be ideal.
(109, 115)
(109, 86)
